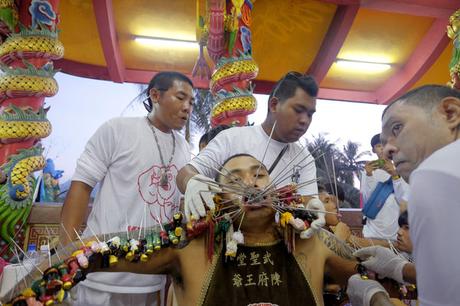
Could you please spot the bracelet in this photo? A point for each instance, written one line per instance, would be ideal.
(395, 177)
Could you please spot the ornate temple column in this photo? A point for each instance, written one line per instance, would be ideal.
(29, 46)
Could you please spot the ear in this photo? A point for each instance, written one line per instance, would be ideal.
(272, 104)
(450, 110)
(154, 95)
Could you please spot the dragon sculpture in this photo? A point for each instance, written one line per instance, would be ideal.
(453, 31)
(224, 28)
(29, 45)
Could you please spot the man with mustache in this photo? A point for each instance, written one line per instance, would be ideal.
(291, 106)
(136, 161)
(420, 133)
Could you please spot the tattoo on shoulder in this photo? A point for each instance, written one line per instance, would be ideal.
(336, 245)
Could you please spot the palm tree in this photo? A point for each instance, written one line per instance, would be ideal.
(352, 158)
(200, 119)
(328, 159)
(201, 114)
(333, 165)
(323, 151)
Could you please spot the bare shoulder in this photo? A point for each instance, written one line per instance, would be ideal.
(194, 254)
(310, 252)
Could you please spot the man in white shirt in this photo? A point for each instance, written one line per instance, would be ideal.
(136, 161)
(291, 106)
(421, 134)
(383, 225)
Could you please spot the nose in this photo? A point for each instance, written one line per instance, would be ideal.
(389, 150)
(304, 120)
(187, 106)
(250, 180)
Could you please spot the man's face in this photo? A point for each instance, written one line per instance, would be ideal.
(378, 150)
(410, 134)
(244, 171)
(404, 242)
(175, 104)
(293, 116)
(330, 205)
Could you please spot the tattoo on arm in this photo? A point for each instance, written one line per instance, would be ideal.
(336, 245)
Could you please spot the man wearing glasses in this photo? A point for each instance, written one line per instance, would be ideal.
(291, 106)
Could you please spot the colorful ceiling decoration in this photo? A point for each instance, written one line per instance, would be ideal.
(362, 51)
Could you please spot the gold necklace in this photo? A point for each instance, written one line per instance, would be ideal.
(268, 243)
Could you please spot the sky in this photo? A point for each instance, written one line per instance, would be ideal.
(82, 105)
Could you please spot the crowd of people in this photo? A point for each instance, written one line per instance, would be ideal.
(143, 165)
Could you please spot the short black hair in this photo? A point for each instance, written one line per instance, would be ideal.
(330, 188)
(232, 157)
(403, 219)
(209, 135)
(163, 81)
(426, 97)
(375, 140)
(286, 87)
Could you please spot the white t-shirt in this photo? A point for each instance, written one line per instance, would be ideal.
(253, 140)
(123, 157)
(434, 222)
(385, 225)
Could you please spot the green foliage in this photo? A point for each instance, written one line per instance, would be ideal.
(345, 163)
(201, 114)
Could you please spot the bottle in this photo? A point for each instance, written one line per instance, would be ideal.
(32, 257)
(44, 252)
(32, 253)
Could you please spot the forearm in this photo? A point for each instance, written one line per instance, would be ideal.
(409, 273)
(74, 210)
(184, 175)
(160, 262)
(364, 242)
(380, 299)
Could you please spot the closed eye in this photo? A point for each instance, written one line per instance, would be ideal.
(260, 175)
